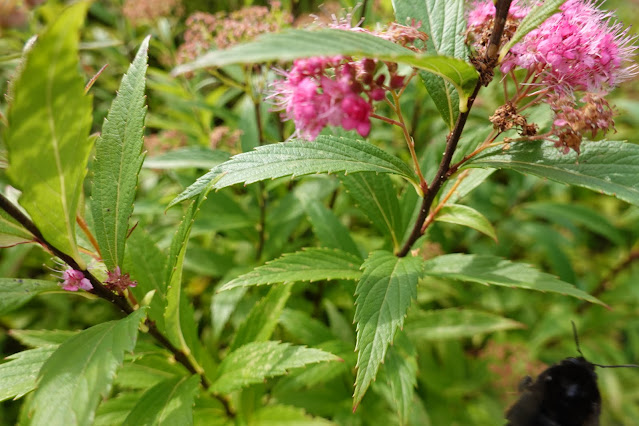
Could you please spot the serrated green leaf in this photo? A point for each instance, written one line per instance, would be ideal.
(145, 262)
(79, 373)
(303, 328)
(19, 373)
(442, 324)
(168, 403)
(401, 376)
(11, 232)
(533, 20)
(466, 216)
(591, 219)
(384, 293)
(114, 411)
(487, 270)
(39, 338)
(15, 292)
(445, 24)
(293, 44)
(328, 229)
(254, 362)
(48, 135)
(260, 323)
(377, 199)
(286, 415)
(195, 157)
(118, 159)
(310, 264)
(610, 167)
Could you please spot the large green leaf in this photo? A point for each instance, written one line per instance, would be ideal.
(310, 264)
(79, 373)
(11, 232)
(15, 292)
(485, 269)
(168, 403)
(611, 167)
(18, 375)
(445, 24)
(260, 323)
(294, 44)
(442, 324)
(384, 293)
(48, 135)
(533, 20)
(254, 362)
(377, 198)
(118, 159)
(466, 216)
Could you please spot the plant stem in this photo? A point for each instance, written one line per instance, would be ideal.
(442, 175)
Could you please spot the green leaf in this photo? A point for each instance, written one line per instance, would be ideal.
(384, 293)
(401, 376)
(285, 415)
(260, 323)
(310, 264)
(168, 403)
(466, 216)
(114, 411)
(533, 20)
(329, 230)
(195, 157)
(485, 269)
(377, 199)
(442, 324)
(39, 338)
(48, 135)
(11, 232)
(15, 292)
(18, 375)
(445, 24)
(610, 167)
(79, 373)
(148, 370)
(223, 303)
(326, 154)
(201, 184)
(254, 362)
(474, 178)
(591, 219)
(305, 329)
(118, 159)
(293, 44)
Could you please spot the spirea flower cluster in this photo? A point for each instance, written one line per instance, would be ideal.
(339, 91)
(573, 60)
(75, 280)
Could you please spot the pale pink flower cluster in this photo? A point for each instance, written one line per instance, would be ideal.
(74, 280)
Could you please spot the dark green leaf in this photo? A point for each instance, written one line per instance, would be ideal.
(328, 229)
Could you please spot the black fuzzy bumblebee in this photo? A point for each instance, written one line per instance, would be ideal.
(565, 394)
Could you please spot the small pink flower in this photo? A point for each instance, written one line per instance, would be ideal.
(74, 280)
(356, 114)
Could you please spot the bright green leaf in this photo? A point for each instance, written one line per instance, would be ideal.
(442, 324)
(79, 373)
(285, 415)
(384, 293)
(260, 323)
(194, 157)
(466, 216)
(223, 304)
(487, 270)
(310, 264)
(293, 44)
(168, 403)
(254, 362)
(610, 167)
(11, 232)
(15, 292)
(118, 159)
(377, 198)
(48, 135)
(19, 373)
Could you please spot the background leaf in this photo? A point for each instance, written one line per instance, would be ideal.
(466, 216)
(15, 292)
(328, 229)
(11, 232)
(48, 136)
(195, 157)
(286, 415)
(80, 372)
(19, 373)
(168, 403)
(610, 167)
(310, 264)
(494, 270)
(254, 362)
(384, 293)
(118, 159)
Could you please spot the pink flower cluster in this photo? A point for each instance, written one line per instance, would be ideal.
(74, 280)
(117, 281)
